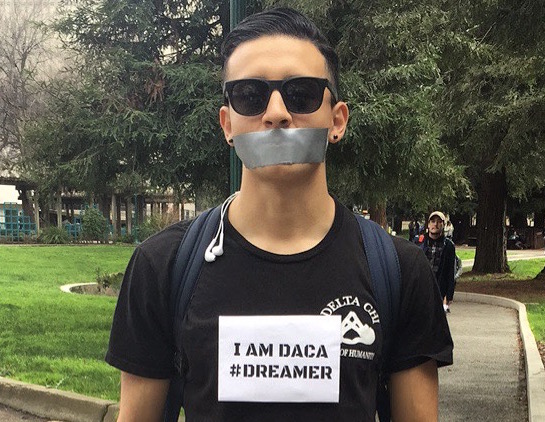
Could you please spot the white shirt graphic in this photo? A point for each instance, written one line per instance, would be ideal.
(364, 333)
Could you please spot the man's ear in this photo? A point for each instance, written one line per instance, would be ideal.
(340, 119)
(225, 123)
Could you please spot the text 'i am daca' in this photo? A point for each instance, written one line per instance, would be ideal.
(281, 350)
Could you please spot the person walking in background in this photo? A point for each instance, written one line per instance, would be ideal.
(449, 230)
(412, 231)
(416, 231)
(441, 254)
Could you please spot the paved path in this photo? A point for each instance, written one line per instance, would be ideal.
(485, 383)
(10, 415)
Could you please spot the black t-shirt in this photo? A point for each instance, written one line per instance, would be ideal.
(331, 278)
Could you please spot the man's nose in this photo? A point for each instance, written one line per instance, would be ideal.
(276, 114)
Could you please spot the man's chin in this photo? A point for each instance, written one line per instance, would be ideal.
(299, 170)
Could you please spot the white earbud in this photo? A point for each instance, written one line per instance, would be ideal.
(213, 250)
(218, 250)
(209, 256)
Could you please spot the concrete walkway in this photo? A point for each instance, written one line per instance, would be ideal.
(491, 380)
(10, 415)
(486, 382)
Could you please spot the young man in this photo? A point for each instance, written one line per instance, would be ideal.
(291, 254)
(441, 254)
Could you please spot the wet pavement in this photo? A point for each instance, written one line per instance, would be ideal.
(487, 381)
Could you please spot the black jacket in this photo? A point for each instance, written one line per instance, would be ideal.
(445, 272)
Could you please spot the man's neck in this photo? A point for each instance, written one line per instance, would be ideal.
(283, 217)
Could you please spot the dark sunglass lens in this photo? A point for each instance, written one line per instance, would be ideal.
(303, 95)
(249, 97)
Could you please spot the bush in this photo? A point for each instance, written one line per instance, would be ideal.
(154, 224)
(112, 280)
(126, 238)
(54, 235)
(94, 226)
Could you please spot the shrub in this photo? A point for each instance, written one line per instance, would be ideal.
(94, 225)
(54, 235)
(154, 224)
(112, 280)
(126, 238)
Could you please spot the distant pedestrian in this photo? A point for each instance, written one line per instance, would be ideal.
(441, 254)
(416, 229)
(449, 230)
(412, 231)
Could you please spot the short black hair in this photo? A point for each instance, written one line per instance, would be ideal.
(281, 21)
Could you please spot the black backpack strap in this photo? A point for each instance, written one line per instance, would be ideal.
(385, 272)
(185, 272)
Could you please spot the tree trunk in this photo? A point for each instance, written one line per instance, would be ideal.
(28, 208)
(176, 210)
(539, 219)
(118, 213)
(377, 211)
(115, 220)
(44, 207)
(105, 206)
(58, 206)
(141, 209)
(490, 255)
(36, 201)
(398, 224)
(461, 224)
(128, 215)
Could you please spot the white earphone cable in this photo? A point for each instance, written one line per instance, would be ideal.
(213, 250)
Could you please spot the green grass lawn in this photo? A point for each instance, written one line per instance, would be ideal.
(53, 338)
(465, 253)
(535, 311)
(523, 269)
(536, 318)
(526, 268)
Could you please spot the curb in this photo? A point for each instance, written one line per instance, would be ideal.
(71, 407)
(67, 288)
(55, 404)
(535, 372)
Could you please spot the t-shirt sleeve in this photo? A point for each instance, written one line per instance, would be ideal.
(141, 340)
(422, 331)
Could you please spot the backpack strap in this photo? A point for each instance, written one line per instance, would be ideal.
(385, 272)
(185, 272)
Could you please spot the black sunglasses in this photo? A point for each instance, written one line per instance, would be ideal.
(301, 95)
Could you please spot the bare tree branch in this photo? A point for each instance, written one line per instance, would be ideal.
(26, 58)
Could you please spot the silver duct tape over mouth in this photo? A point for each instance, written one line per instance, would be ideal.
(281, 146)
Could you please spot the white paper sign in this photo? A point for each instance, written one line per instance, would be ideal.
(279, 358)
